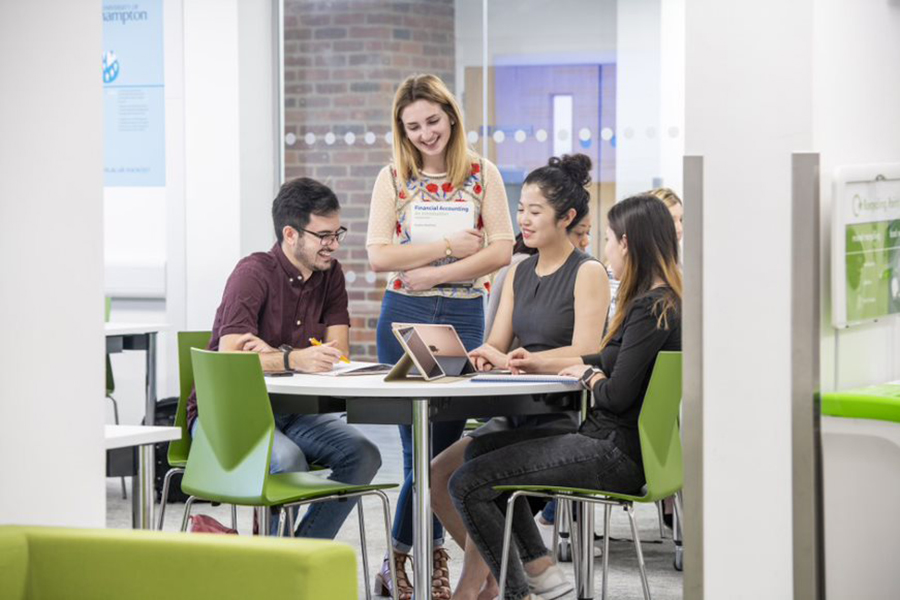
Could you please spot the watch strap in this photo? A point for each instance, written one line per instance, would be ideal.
(286, 353)
(585, 379)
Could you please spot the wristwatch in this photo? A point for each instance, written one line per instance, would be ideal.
(448, 251)
(585, 379)
(286, 352)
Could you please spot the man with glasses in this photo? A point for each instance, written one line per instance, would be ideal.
(274, 304)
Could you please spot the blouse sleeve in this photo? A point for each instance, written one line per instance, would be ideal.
(382, 214)
(495, 207)
(641, 342)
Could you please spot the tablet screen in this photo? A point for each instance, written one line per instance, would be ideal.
(431, 368)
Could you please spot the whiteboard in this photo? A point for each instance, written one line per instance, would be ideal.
(865, 282)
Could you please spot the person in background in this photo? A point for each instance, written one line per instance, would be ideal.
(554, 304)
(438, 281)
(273, 304)
(675, 206)
(605, 453)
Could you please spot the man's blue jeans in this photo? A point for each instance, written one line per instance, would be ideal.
(467, 317)
(326, 441)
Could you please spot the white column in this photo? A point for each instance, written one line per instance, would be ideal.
(51, 264)
(748, 107)
(638, 102)
(229, 137)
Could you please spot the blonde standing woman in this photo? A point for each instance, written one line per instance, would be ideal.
(433, 279)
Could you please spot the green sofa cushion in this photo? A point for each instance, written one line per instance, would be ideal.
(40, 563)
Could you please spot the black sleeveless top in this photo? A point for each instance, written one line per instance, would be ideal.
(544, 310)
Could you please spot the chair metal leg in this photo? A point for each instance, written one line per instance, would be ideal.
(607, 512)
(677, 532)
(116, 421)
(233, 517)
(282, 520)
(292, 519)
(575, 540)
(555, 545)
(386, 508)
(507, 537)
(662, 525)
(362, 545)
(187, 513)
(164, 500)
(584, 556)
(564, 524)
(637, 548)
(265, 517)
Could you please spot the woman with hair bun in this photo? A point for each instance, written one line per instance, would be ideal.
(432, 279)
(554, 303)
(605, 452)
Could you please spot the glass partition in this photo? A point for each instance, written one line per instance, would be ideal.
(535, 78)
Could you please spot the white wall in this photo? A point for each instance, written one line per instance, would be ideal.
(220, 181)
(229, 174)
(748, 107)
(671, 90)
(258, 127)
(144, 245)
(51, 264)
(857, 95)
(638, 96)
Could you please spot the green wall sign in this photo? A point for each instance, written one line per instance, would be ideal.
(866, 277)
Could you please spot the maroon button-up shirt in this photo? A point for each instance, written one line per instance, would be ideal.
(267, 296)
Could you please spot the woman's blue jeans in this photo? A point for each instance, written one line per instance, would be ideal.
(467, 317)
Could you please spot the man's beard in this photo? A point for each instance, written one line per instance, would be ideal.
(312, 260)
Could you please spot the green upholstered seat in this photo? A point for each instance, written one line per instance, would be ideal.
(49, 563)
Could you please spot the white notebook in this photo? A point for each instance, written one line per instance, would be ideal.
(356, 368)
(533, 378)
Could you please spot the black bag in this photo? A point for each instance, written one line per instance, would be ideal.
(165, 415)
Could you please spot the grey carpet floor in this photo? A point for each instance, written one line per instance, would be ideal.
(624, 580)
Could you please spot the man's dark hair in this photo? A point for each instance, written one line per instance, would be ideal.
(297, 200)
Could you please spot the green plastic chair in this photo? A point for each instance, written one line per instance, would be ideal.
(663, 470)
(179, 449)
(231, 451)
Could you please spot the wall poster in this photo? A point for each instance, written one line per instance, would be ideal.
(133, 94)
(866, 243)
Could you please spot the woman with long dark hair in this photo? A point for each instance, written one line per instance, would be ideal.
(605, 453)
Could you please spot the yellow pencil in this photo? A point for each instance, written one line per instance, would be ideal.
(316, 342)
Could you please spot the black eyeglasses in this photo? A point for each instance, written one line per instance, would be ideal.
(328, 238)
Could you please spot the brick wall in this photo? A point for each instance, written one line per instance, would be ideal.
(343, 62)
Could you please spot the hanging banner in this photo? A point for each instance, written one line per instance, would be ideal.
(133, 94)
(866, 243)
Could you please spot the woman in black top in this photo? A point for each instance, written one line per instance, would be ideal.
(642, 249)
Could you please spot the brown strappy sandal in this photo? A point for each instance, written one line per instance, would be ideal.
(383, 578)
(440, 575)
